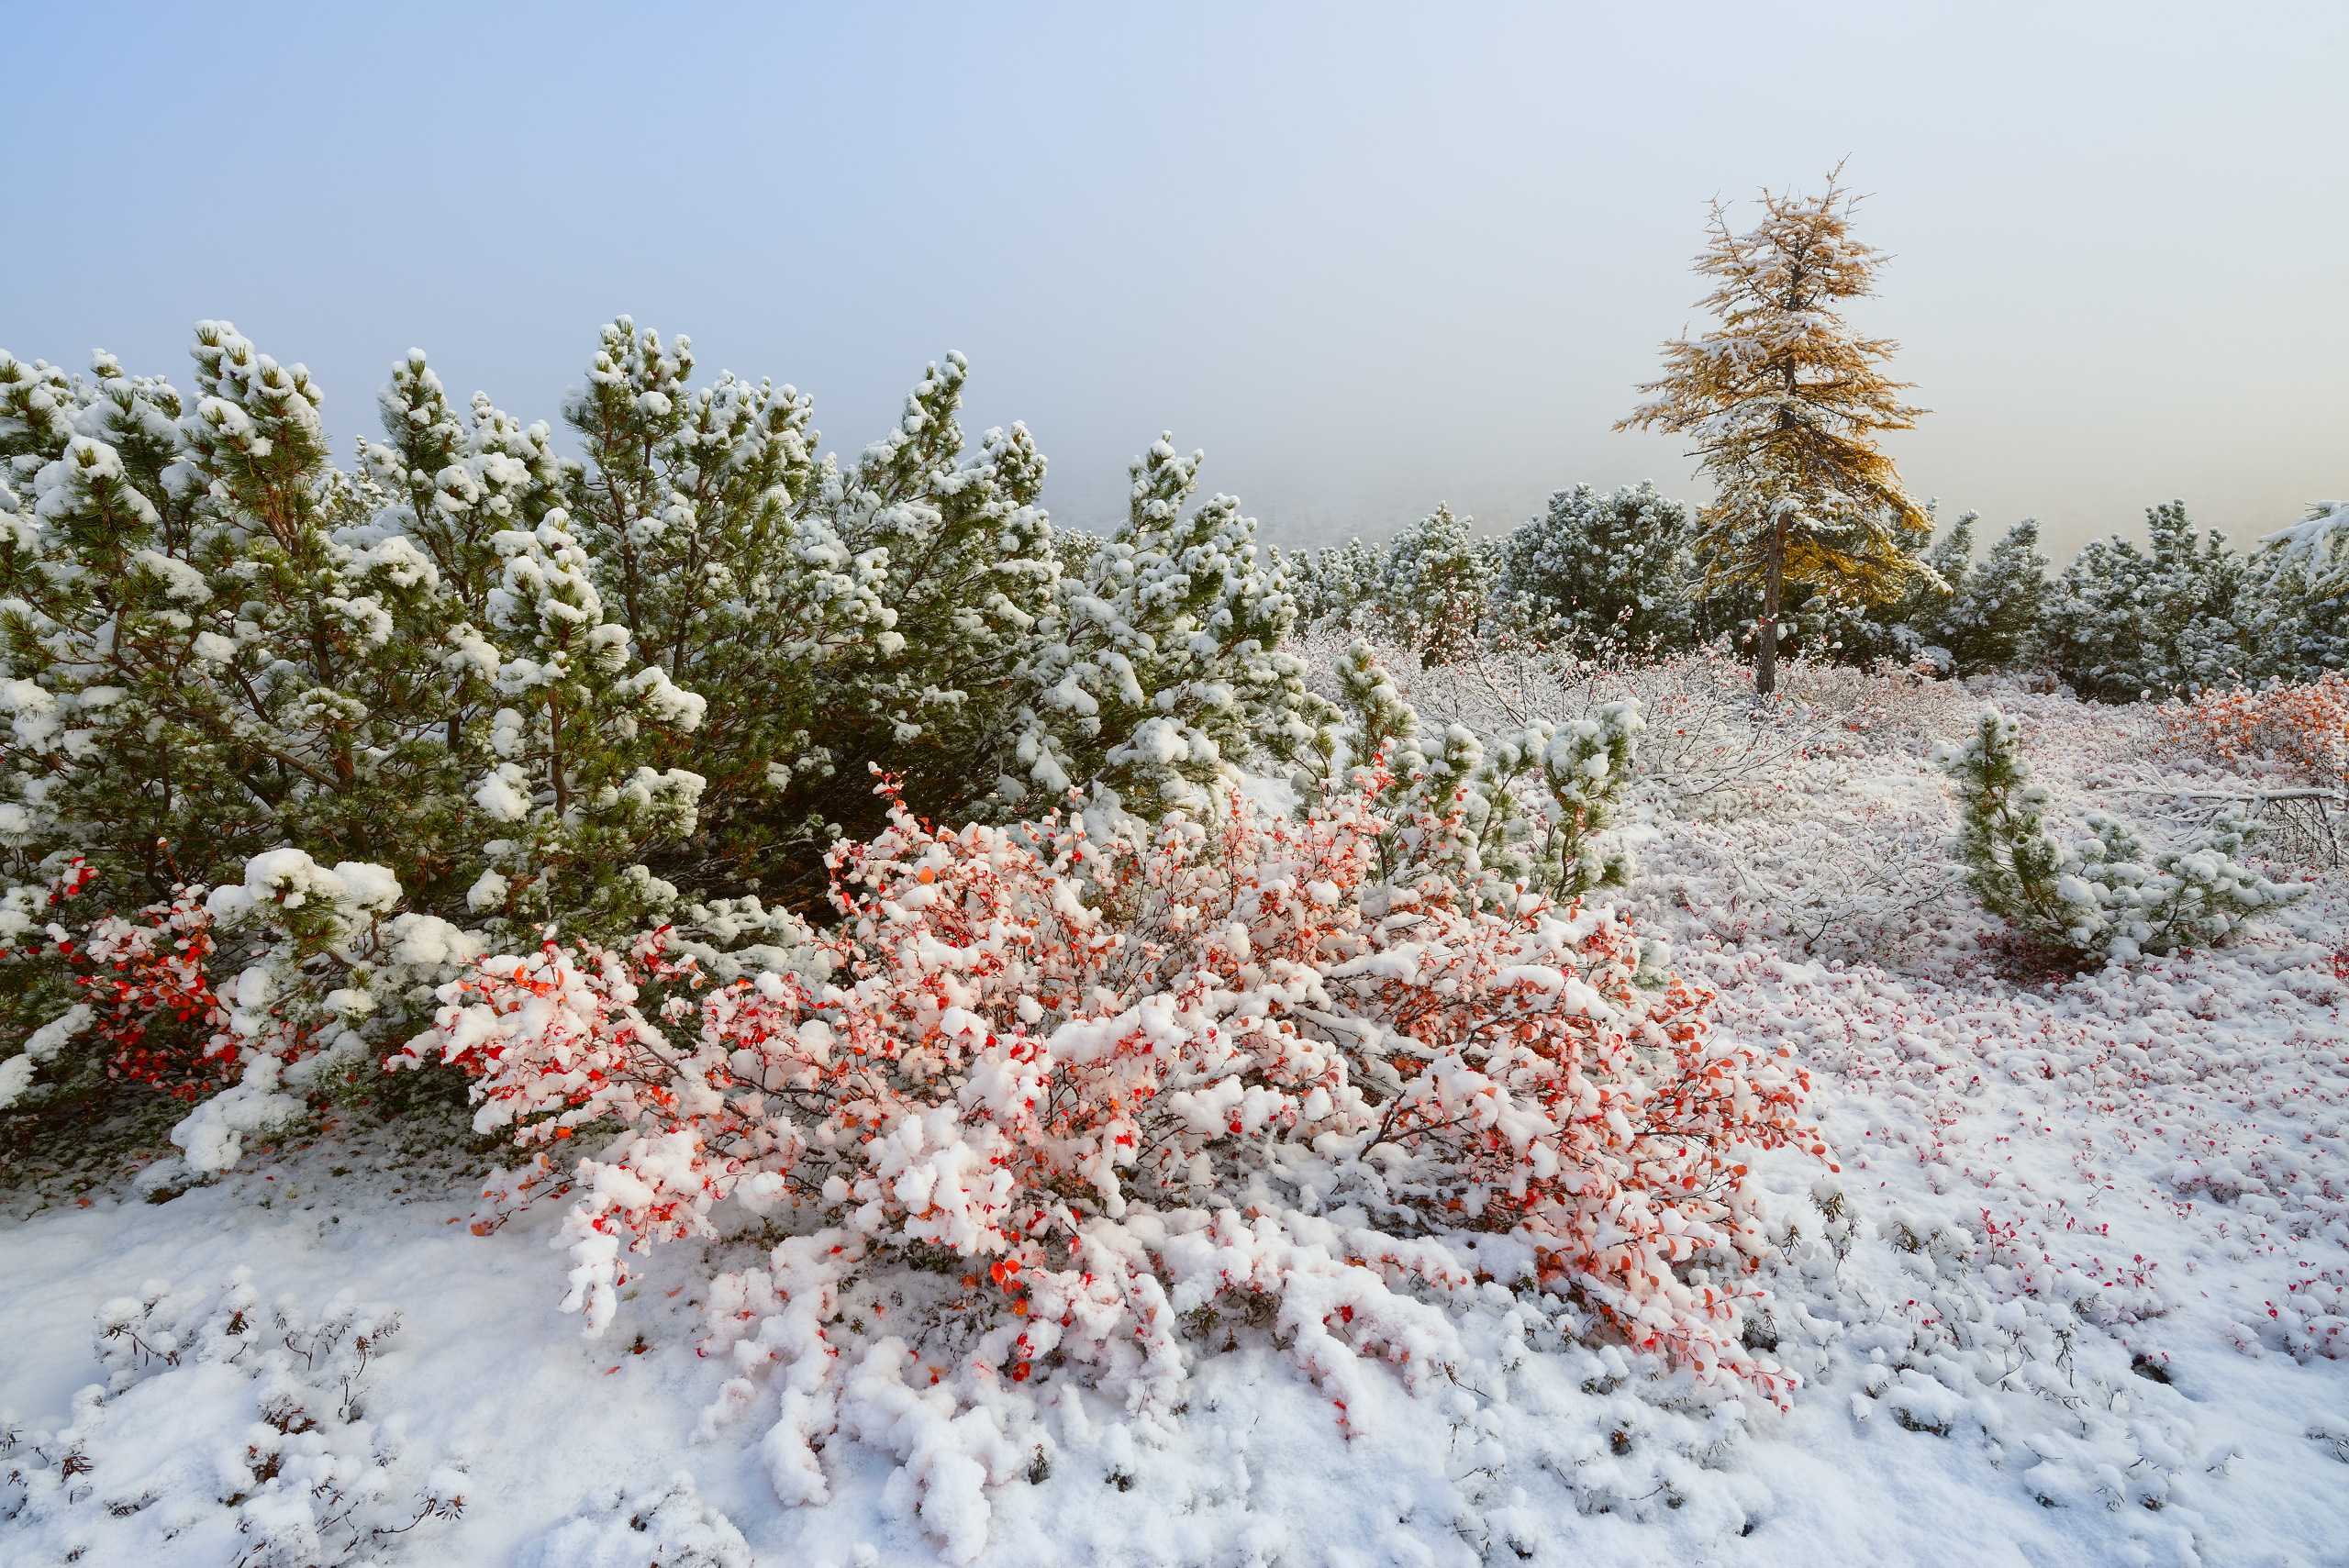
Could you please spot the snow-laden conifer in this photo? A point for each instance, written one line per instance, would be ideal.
(1785, 402)
(2095, 895)
(1435, 584)
(2295, 608)
(1594, 570)
(2126, 623)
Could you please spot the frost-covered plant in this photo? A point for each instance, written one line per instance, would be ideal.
(1157, 674)
(1058, 1052)
(1335, 582)
(665, 1523)
(217, 645)
(2295, 596)
(1995, 615)
(1460, 806)
(1596, 569)
(1435, 586)
(530, 691)
(2125, 624)
(2305, 725)
(295, 1474)
(2091, 897)
(1587, 764)
(321, 953)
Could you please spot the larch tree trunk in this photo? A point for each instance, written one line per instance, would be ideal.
(1765, 663)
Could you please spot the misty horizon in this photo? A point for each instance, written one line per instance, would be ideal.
(1368, 266)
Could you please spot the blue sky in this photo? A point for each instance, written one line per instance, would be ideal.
(1368, 257)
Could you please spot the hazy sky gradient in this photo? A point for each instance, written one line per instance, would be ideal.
(1369, 258)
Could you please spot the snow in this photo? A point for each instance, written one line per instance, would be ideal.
(2076, 1295)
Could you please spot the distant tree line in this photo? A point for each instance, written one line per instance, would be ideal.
(1598, 571)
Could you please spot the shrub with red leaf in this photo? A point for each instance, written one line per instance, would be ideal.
(2304, 726)
(1073, 1057)
(152, 999)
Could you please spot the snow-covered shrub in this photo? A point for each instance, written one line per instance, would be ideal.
(1995, 615)
(1067, 1055)
(2304, 726)
(662, 1526)
(2295, 596)
(526, 689)
(1464, 805)
(1335, 582)
(1164, 667)
(1959, 618)
(229, 1426)
(217, 645)
(2094, 895)
(1435, 586)
(322, 955)
(2124, 623)
(1596, 569)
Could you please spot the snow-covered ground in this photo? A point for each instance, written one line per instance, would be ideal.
(2075, 1296)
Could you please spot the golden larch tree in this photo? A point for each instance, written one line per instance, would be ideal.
(1786, 401)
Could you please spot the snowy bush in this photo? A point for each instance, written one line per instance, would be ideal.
(522, 690)
(226, 1432)
(2295, 593)
(323, 957)
(1597, 569)
(1065, 1059)
(2094, 895)
(2304, 726)
(664, 1526)
(1336, 582)
(1960, 616)
(1706, 748)
(2125, 623)
(1435, 584)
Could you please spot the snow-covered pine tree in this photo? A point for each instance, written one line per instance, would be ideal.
(2095, 897)
(1785, 402)
(2126, 623)
(1435, 586)
(450, 484)
(223, 668)
(971, 577)
(1459, 811)
(1153, 676)
(699, 507)
(1994, 618)
(2295, 605)
(200, 668)
(1334, 581)
(1596, 570)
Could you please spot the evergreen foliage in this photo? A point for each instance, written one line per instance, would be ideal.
(523, 691)
(1993, 618)
(1962, 616)
(2125, 623)
(2094, 896)
(1336, 582)
(1434, 585)
(2295, 599)
(1459, 813)
(1596, 570)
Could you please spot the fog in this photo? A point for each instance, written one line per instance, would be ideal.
(1368, 259)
